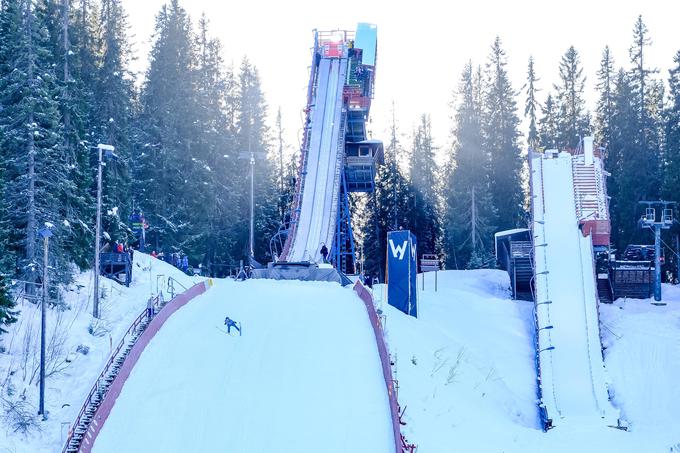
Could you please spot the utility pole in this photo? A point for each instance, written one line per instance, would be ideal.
(97, 235)
(45, 233)
(650, 221)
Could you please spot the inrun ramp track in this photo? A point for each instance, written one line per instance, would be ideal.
(317, 218)
(304, 377)
(573, 377)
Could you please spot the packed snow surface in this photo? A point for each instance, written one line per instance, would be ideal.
(466, 372)
(305, 376)
(78, 348)
(316, 221)
(574, 381)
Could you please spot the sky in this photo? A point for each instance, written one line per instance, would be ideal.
(422, 46)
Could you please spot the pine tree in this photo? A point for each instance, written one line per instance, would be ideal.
(423, 219)
(547, 126)
(112, 115)
(164, 149)
(469, 214)
(253, 135)
(387, 208)
(531, 105)
(32, 142)
(501, 140)
(672, 134)
(605, 102)
(645, 101)
(211, 210)
(627, 172)
(572, 118)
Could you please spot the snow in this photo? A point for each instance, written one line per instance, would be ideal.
(574, 380)
(304, 377)
(307, 362)
(316, 222)
(466, 374)
(66, 390)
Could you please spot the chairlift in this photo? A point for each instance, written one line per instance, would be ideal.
(650, 215)
(668, 216)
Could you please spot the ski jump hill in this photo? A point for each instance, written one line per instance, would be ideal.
(570, 216)
(336, 158)
(305, 376)
(311, 371)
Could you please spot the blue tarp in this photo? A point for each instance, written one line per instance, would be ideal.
(366, 39)
(401, 271)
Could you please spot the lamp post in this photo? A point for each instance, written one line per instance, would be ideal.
(45, 233)
(549, 348)
(101, 148)
(251, 155)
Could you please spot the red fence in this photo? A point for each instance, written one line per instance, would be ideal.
(114, 390)
(400, 442)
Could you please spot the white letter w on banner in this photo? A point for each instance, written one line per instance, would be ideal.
(399, 251)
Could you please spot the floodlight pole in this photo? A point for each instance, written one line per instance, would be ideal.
(45, 233)
(97, 235)
(252, 199)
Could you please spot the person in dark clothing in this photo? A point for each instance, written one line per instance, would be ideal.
(149, 308)
(231, 323)
(324, 252)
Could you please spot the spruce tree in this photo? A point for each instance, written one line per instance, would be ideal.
(31, 140)
(210, 210)
(672, 134)
(469, 214)
(164, 148)
(423, 218)
(646, 94)
(625, 185)
(501, 140)
(605, 102)
(253, 135)
(112, 115)
(387, 208)
(531, 105)
(572, 118)
(547, 125)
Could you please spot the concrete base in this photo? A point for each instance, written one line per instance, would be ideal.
(304, 271)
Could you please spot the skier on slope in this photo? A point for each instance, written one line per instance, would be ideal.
(231, 323)
(324, 252)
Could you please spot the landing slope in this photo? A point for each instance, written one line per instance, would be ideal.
(573, 377)
(304, 377)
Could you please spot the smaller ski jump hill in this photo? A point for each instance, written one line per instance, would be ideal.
(305, 376)
(572, 377)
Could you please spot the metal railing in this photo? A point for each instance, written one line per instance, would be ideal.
(105, 378)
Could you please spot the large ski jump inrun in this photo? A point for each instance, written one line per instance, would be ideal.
(304, 377)
(316, 221)
(573, 378)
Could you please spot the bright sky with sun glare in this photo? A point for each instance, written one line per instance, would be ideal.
(422, 45)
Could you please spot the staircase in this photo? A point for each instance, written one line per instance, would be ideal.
(522, 269)
(589, 191)
(79, 429)
(604, 290)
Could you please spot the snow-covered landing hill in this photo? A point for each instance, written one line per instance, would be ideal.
(466, 371)
(73, 372)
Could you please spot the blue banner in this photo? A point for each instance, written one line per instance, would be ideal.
(402, 271)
